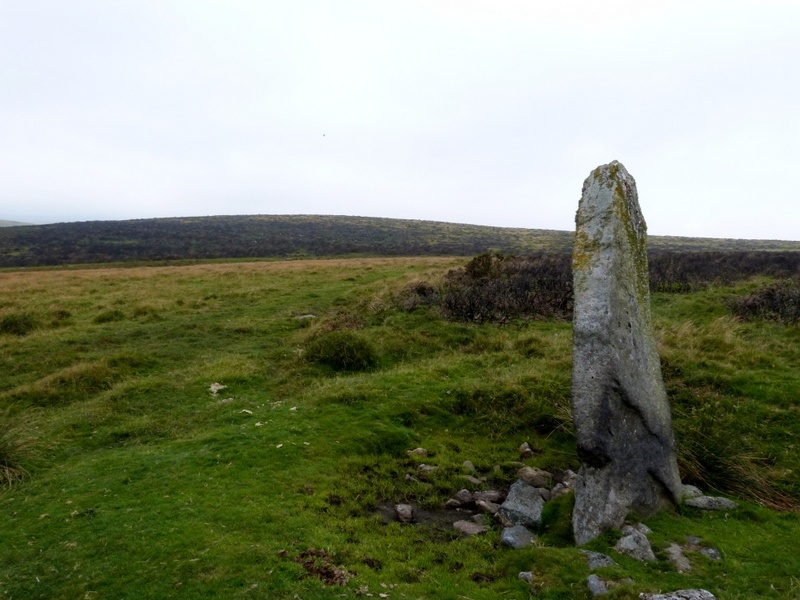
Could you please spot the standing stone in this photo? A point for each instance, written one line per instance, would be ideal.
(619, 404)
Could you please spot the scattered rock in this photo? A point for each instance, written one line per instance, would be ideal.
(461, 498)
(526, 576)
(472, 479)
(215, 388)
(308, 316)
(488, 496)
(596, 586)
(711, 503)
(635, 544)
(568, 478)
(523, 506)
(517, 537)
(469, 466)
(620, 409)
(677, 558)
(597, 560)
(410, 478)
(546, 494)
(469, 527)
(525, 451)
(642, 528)
(417, 452)
(680, 595)
(405, 513)
(711, 553)
(489, 508)
(534, 476)
(690, 491)
(424, 469)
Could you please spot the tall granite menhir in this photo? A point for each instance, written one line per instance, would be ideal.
(619, 404)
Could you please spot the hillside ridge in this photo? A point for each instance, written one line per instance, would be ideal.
(297, 236)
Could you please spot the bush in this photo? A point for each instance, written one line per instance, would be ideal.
(18, 323)
(341, 350)
(497, 287)
(776, 302)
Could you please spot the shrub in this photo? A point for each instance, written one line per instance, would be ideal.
(498, 287)
(341, 350)
(778, 302)
(18, 323)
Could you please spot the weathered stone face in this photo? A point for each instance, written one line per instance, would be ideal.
(620, 409)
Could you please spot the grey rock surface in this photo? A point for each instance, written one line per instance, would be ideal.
(597, 560)
(677, 558)
(711, 503)
(711, 553)
(526, 576)
(535, 476)
(619, 404)
(405, 513)
(525, 450)
(517, 537)
(680, 595)
(523, 506)
(635, 544)
(596, 586)
(469, 527)
(487, 496)
(486, 507)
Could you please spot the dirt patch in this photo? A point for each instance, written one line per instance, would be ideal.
(318, 563)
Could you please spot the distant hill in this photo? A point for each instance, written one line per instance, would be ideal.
(268, 236)
(5, 223)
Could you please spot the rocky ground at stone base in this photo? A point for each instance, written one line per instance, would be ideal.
(518, 511)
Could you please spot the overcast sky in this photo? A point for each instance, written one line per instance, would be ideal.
(486, 112)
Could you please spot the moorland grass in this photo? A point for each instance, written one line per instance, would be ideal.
(147, 484)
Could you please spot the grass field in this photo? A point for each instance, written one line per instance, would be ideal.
(126, 476)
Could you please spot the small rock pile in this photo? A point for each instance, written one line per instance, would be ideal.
(519, 512)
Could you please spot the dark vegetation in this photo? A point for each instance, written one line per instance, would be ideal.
(496, 287)
(301, 236)
(778, 301)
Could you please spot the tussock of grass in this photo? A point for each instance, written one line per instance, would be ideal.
(15, 447)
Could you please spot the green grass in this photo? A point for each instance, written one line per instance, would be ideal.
(145, 484)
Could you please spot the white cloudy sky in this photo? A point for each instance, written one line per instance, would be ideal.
(474, 111)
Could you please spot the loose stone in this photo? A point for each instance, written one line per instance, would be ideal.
(677, 558)
(488, 496)
(535, 477)
(525, 451)
(405, 513)
(635, 544)
(469, 527)
(523, 506)
(418, 452)
(711, 553)
(517, 537)
(711, 503)
(680, 595)
(597, 586)
(597, 560)
(526, 576)
(489, 508)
